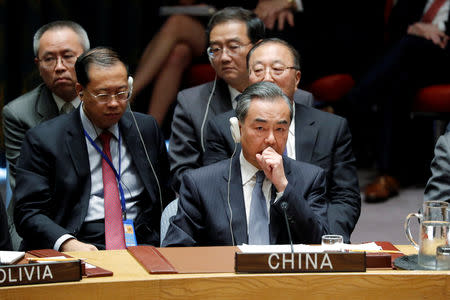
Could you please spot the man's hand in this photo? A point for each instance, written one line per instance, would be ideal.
(272, 164)
(271, 10)
(430, 32)
(76, 245)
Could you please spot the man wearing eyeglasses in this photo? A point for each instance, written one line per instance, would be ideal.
(231, 33)
(315, 137)
(84, 177)
(56, 47)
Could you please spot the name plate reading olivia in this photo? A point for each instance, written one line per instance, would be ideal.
(40, 273)
(300, 262)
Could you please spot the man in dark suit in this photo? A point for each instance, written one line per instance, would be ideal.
(241, 200)
(72, 168)
(56, 47)
(5, 239)
(315, 137)
(418, 56)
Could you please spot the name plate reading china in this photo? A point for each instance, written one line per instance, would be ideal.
(300, 262)
(40, 273)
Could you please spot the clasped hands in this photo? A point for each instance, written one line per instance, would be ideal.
(430, 32)
(272, 164)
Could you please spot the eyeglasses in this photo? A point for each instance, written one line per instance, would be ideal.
(275, 70)
(106, 98)
(50, 62)
(232, 49)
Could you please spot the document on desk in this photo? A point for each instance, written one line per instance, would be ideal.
(302, 248)
(10, 257)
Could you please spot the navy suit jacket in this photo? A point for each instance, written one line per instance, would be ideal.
(203, 216)
(321, 139)
(54, 180)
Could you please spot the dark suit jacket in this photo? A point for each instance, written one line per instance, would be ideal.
(21, 114)
(5, 239)
(185, 150)
(203, 216)
(321, 139)
(54, 180)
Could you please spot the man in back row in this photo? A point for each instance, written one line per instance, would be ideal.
(56, 47)
(84, 176)
(231, 34)
(244, 200)
(314, 136)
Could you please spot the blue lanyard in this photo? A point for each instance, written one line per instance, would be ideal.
(109, 162)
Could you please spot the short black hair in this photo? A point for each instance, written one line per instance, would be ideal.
(255, 27)
(294, 52)
(102, 56)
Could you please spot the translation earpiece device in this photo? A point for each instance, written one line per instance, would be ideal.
(130, 84)
(234, 128)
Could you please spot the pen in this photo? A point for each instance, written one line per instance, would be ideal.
(375, 251)
(53, 259)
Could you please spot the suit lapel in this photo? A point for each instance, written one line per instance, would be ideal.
(239, 219)
(132, 140)
(76, 147)
(46, 106)
(276, 227)
(305, 134)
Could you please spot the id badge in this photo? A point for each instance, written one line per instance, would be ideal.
(130, 236)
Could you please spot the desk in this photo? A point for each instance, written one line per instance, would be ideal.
(131, 281)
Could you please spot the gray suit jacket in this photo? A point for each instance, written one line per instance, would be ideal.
(21, 114)
(185, 149)
(321, 139)
(438, 186)
(203, 215)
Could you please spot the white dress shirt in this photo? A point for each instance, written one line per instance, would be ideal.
(248, 174)
(131, 183)
(233, 94)
(441, 17)
(60, 102)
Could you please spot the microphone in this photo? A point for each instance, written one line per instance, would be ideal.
(284, 207)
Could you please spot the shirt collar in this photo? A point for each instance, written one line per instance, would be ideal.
(292, 126)
(248, 170)
(92, 130)
(233, 94)
(60, 102)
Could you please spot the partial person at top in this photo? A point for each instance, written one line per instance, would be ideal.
(83, 176)
(164, 60)
(245, 199)
(315, 137)
(418, 56)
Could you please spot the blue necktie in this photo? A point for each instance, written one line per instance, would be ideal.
(258, 233)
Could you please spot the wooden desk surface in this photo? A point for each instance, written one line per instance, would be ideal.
(131, 281)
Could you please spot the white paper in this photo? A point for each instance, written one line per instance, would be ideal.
(10, 257)
(302, 248)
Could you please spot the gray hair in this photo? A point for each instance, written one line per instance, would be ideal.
(84, 40)
(294, 52)
(263, 90)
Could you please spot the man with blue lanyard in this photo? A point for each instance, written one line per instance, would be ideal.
(96, 178)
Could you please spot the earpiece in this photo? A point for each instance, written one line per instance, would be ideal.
(130, 84)
(234, 128)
